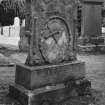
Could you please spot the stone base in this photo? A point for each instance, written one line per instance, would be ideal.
(90, 45)
(91, 49)
(50, 95)
(92, 40)
(39, 76)
(46, 95)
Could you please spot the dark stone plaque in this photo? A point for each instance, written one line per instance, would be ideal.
(91, 25)
(91, 39)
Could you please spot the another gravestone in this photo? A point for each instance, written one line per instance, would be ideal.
(92, 18)
(17, 26)
(6, 31)
(91, 36)
(51, 66)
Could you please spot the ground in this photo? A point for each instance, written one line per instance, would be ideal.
(95, 72)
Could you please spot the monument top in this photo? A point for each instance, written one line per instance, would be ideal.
(52, 30)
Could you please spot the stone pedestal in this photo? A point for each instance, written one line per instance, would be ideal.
(39, 76)
(91, 25)
(46, 95)
(34, 85)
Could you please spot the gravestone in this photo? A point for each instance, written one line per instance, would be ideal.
(16, 21)
(6, 31)
(23, 42)
(92, 19)
(16, 26)
(51, 70)
(91, 36)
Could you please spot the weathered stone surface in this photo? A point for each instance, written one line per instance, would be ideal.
(51, 59)
(38, 96)
(55, 43)
(52, 31)
(38, 76)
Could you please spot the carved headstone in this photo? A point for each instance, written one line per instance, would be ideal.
(51, 61)
(52, 32)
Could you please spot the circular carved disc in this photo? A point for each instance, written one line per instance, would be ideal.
(54, 41)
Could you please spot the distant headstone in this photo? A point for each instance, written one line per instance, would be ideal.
(12, 31)
(91, 25)
(23, 42)
(92, 19)
(16, 21)
(6, 31)
(16, 27)
(23, 23)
